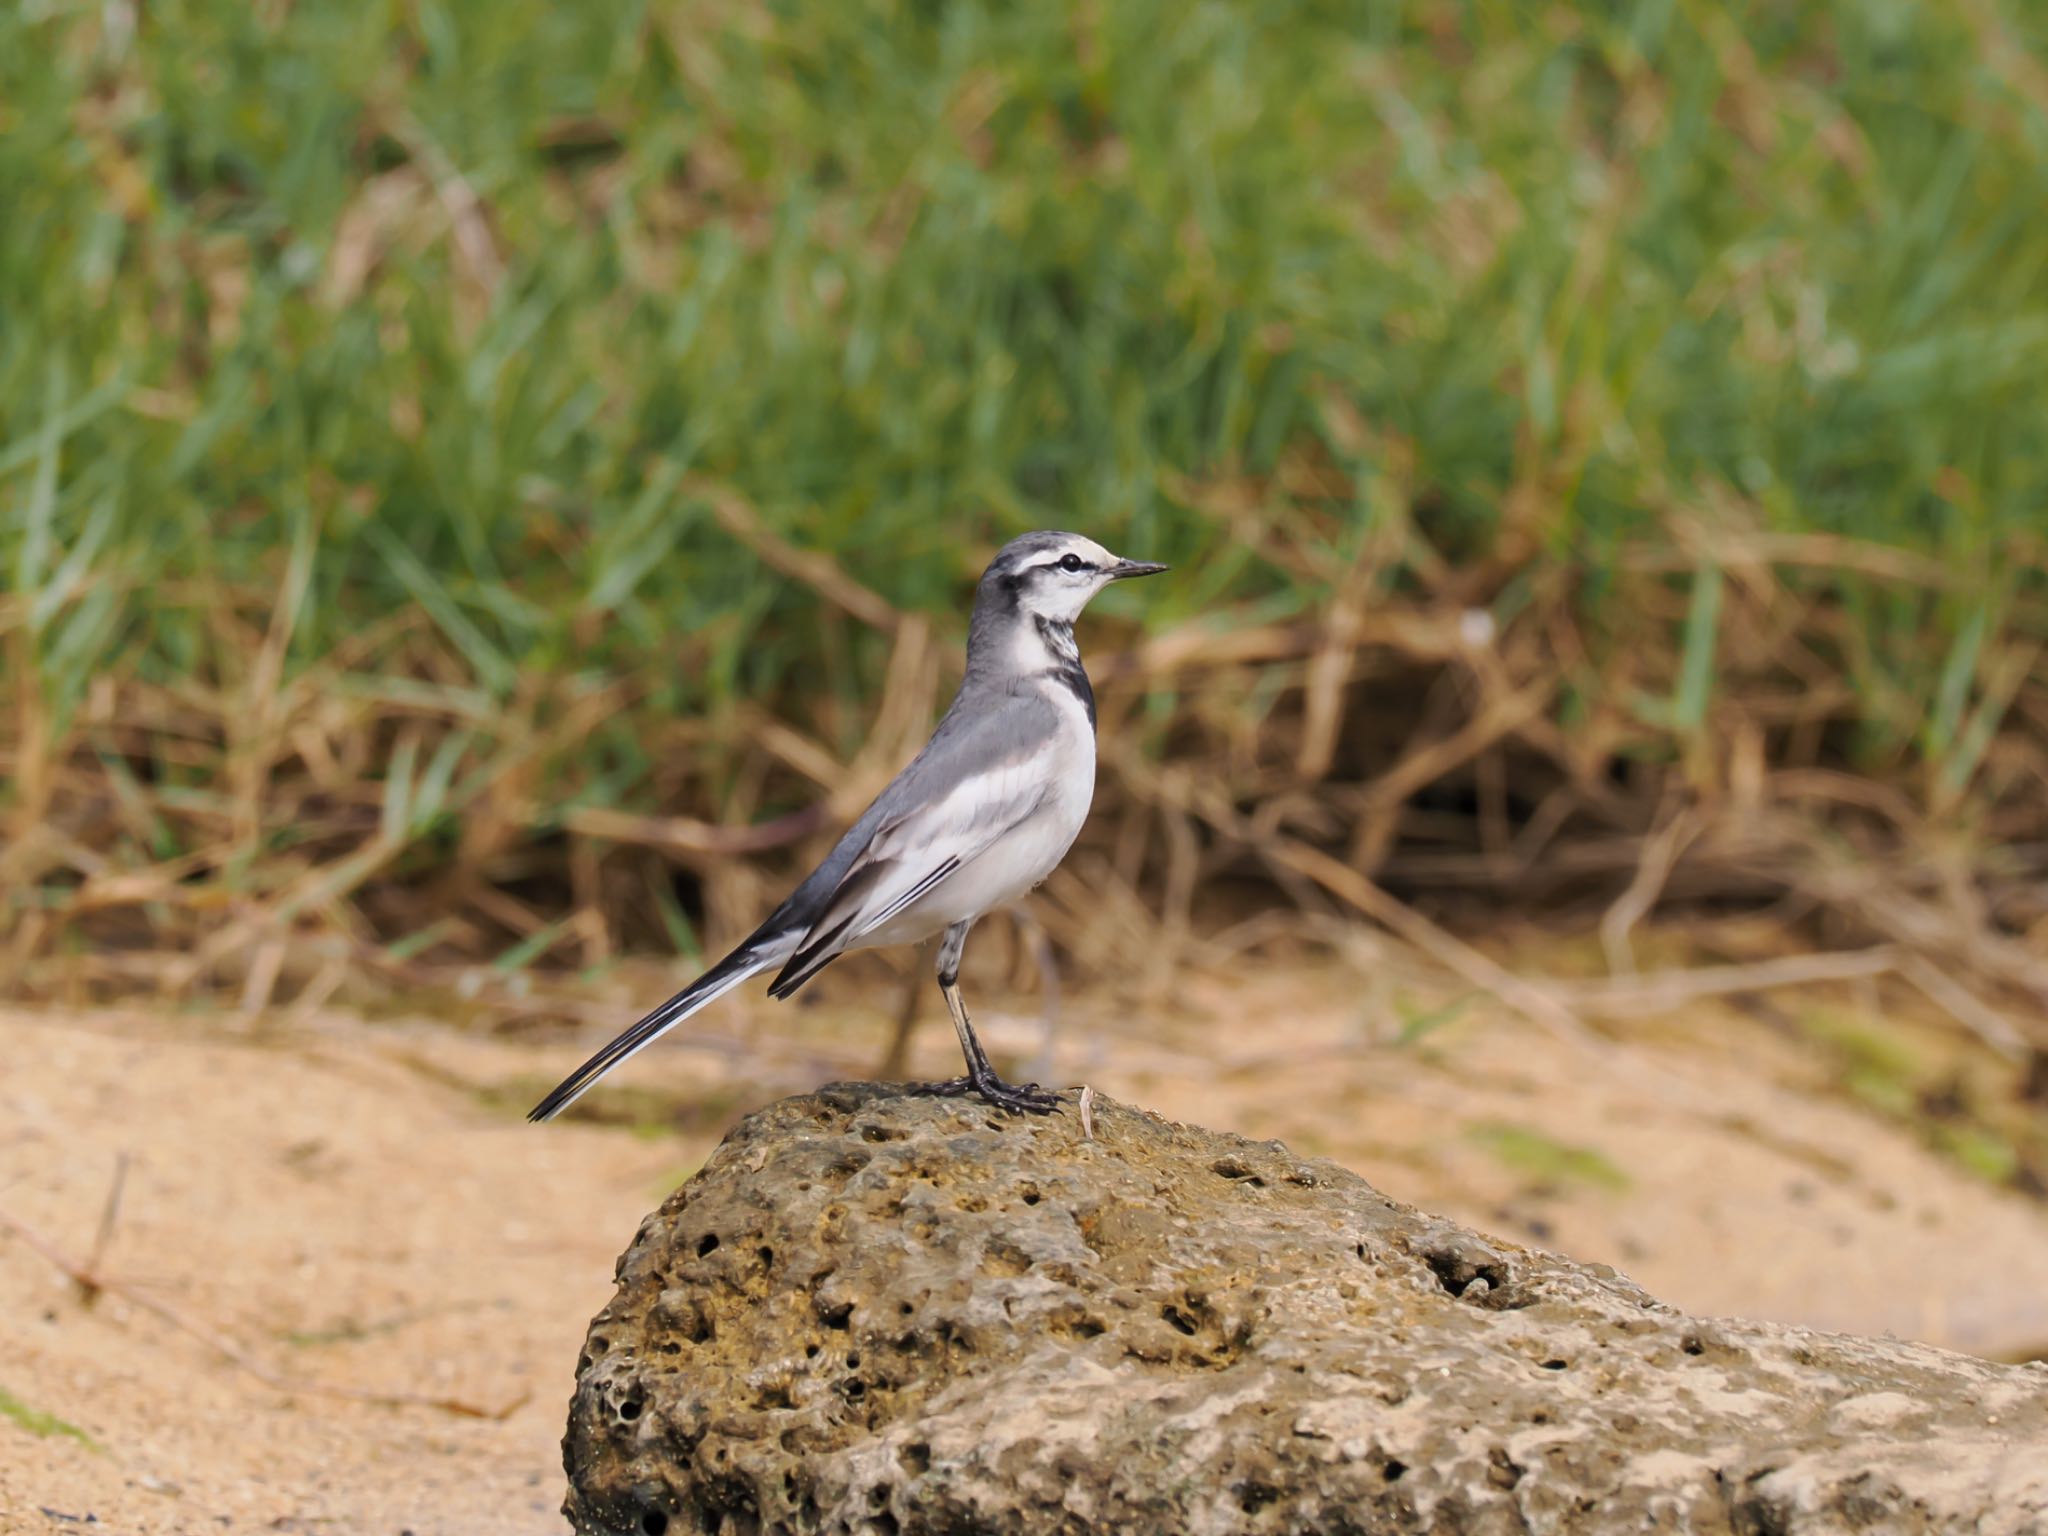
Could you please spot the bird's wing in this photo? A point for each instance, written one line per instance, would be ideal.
(947, 811)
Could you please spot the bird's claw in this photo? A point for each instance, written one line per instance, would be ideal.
(1019, 1099)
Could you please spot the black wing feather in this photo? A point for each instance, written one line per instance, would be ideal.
(820, 949)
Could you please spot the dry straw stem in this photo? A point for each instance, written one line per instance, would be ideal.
(1346, 883)
(813, 569)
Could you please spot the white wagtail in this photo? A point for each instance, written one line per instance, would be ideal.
(980, 816)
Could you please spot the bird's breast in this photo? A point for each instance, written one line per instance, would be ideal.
(1071, 785)
(1067, 772)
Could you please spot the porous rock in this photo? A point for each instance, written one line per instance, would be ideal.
(875, 1311)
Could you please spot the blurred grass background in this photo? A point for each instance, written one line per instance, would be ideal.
(485, 488)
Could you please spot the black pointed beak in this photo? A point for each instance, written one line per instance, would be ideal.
(1123, 570)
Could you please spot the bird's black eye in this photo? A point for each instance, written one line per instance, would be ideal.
(1070, 563)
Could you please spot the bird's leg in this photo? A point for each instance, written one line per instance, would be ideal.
(981, 1076)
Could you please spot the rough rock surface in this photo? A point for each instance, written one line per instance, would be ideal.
(879, 1312)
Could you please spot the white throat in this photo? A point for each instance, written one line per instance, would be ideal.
(1039, 645)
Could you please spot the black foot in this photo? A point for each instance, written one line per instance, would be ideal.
(1028, 1099)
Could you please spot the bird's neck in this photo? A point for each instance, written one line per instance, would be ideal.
(1030, 649)
(1046, 652)
(1056, 638)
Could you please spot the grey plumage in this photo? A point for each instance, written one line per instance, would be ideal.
(983, 813)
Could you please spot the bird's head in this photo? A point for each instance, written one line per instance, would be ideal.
(1051, 576)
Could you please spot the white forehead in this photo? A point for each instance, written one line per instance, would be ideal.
(1087, 549)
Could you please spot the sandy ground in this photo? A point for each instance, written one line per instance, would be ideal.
(359, 1204)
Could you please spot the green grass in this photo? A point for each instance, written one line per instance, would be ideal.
(39, 1423)
(1983, 1122)
(1546, 1161)
(421, 340)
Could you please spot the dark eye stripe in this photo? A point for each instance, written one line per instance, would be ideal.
(1054, 565)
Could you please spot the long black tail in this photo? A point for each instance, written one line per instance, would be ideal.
(716, 982)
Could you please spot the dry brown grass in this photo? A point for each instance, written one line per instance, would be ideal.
(372, 827)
